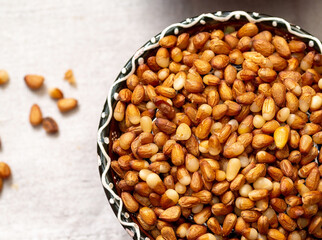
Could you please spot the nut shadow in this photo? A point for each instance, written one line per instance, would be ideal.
(39, 92)
(71, 112)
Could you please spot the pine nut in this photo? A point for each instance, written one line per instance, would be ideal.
(183, 132)
(146, 124)
(182, 230)
(244, 161)
(183, 176)
(191, 163)
(283, 114)
(162, 58)
(258, 121)
(155, 182)
(204, 146)
(126, 139)
(232, 168)
(268, 110)
(198, 208)
(316, 103)
(263, 183)
(245, 190)
(180, 188)
(250, 233)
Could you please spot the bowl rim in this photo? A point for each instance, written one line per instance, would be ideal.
(103, 141)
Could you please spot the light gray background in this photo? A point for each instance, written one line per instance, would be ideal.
(55, 190)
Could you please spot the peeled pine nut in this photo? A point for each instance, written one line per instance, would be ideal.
(169, 198)
(191, 163)
(320, 83)
(143, 174)
(245, 190)
(179, 80)
(268, 110)
(283, 114)
(119, 111)
(180, 188)
(197, 209)
(146, 124)
(183, 132)
(155, 182)
(263, 183)
(232, 168)
(133, 113)
(316, 103)
(183, 176)
(258, 121)
(162, 57)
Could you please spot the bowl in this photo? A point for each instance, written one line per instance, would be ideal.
(108, 128)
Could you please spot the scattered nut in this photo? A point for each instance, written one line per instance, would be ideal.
(55, 93)
(4, 77)
(35, 116)
(50, 125)
(34, 82)
(69, 76)
(67, 104)
(5, 171)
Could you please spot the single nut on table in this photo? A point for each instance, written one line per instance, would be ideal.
(67, 104)
(35, 116)
(5, 171)
(50, 125)
(34, 82)
(4, 76)
(55, 93)
(69, 76)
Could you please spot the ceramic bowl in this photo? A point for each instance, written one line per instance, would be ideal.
(108, 127)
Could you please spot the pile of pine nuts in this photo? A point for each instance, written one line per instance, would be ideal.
(216, 142)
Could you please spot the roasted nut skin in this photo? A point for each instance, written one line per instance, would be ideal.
(50, 125)
(55, 93)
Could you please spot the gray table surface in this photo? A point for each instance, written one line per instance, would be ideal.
(55, 191)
